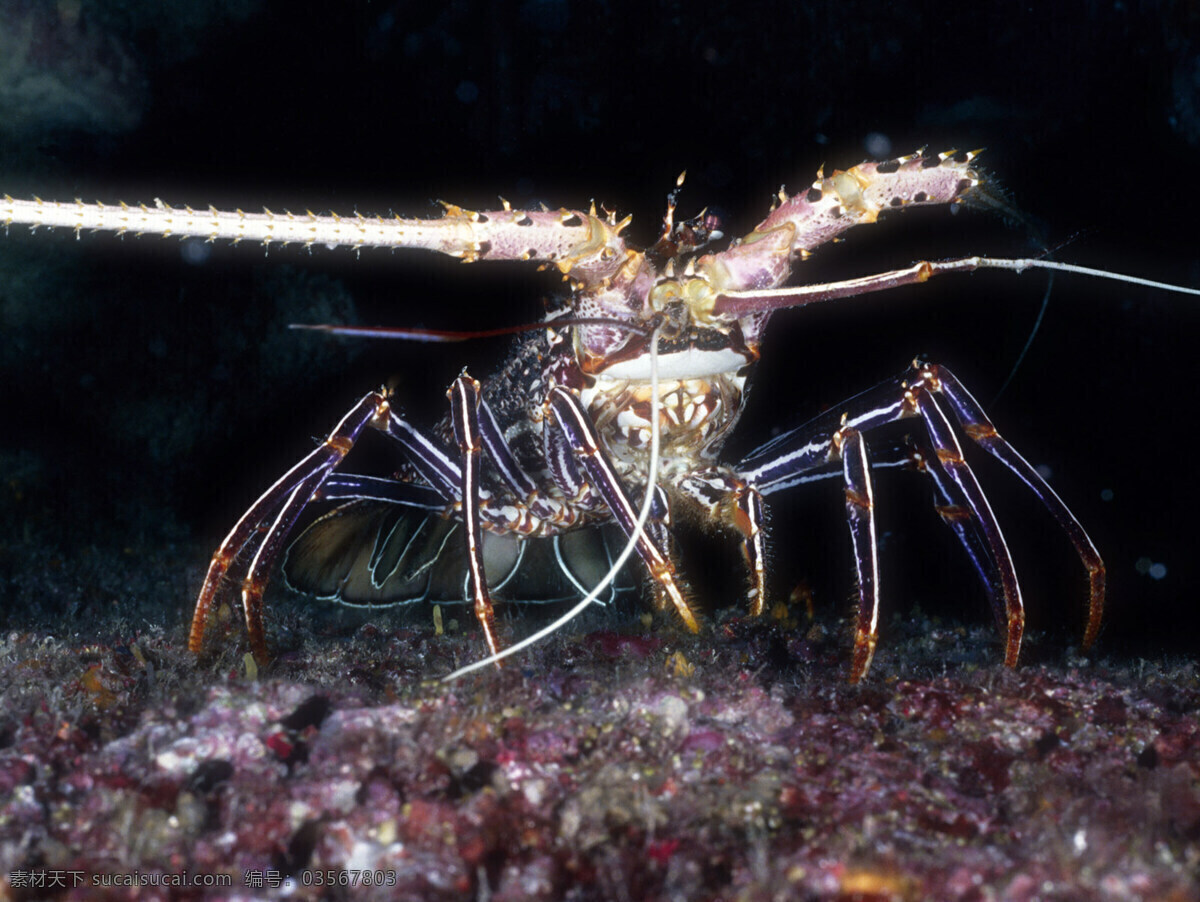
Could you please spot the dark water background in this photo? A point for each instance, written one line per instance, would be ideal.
(147, 397)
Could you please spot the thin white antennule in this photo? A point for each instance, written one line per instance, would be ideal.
(626, 552)
(1019, 266)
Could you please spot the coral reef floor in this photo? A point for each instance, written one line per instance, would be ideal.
(607, 764)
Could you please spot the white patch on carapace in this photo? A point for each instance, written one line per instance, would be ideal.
(689, 364)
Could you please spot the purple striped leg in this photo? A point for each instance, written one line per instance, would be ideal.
(793, 458)
(980, 429)
(584, 443)
(950, 505)
(464, 412)
(262, 530)
(727, 497)
(713, 488)
(955, 512)
(860, 515)
(788, 460)
(805, 454)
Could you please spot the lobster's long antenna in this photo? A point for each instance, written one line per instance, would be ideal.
(626, 552)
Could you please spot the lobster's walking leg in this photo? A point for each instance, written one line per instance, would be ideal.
(788, 460)
(980, 429)
(860, 505)
(261, 531)
(356, 487)
(949, 454)
(860, 515)
(727, 497)
(749, 518)
(264, 526)
(955, 512)
(464, 412)
(580, 433)
(724, 497)
(718, 486)
(791, 458)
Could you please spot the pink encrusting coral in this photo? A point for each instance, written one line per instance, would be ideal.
(600, 766)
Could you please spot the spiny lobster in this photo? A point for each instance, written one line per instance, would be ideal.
(650, 352)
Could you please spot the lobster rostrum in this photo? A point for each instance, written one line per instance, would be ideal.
(649, 348)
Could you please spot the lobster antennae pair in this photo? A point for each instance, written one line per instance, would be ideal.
(733, 304)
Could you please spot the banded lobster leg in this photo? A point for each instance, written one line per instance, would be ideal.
(464, 413)
(954, 510)
(726, 497)
(983, 432)
(263, 529)
(476, 430)
(808, 453)
(575, 426)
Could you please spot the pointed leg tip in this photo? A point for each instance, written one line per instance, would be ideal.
(756, 607)
(1016, 630)
(864, 653)
(199, 626)
(1011, 653)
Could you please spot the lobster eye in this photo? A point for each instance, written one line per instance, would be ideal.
(713, 220)
(677, 317)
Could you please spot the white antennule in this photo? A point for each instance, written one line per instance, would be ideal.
(626, 552)
(1018, 266)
